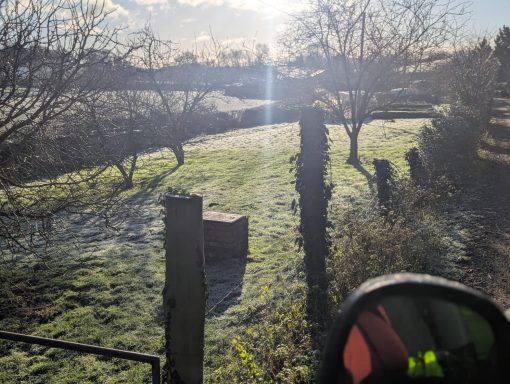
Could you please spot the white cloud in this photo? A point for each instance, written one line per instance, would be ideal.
(152, 5)
(269, 7)
(149, 3)
(194, 3)
(116, 10)
(202, 38)
(235, 42)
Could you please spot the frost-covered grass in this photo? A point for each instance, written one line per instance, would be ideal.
(106, 288)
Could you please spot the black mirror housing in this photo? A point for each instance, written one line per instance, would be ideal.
(419, 287)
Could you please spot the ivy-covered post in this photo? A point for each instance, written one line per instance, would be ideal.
(417, 169)
(314, 195)
(184, 295)
(384, 177)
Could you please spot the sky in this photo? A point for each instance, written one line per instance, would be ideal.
(489, 15)
(232, 21)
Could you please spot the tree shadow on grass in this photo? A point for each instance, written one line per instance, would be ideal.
(498, 132)
(488, 223)
(224, 284)
(30, 293)
(499, 110)
(132, 223)
(149, 187)
(370, 178)
(488, 205)
(495, 149)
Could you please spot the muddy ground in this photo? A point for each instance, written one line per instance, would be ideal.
(487, 202)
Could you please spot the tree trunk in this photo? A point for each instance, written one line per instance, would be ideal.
(178, 151)
(353, 149)
(128, 180)
(132, 168)
(127, 176)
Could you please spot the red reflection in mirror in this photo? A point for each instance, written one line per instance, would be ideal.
(374, 348)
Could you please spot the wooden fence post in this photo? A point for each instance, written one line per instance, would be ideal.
(184, 294)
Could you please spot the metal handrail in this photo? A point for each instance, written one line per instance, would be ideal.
(86, 348)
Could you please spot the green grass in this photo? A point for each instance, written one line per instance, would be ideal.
(106, 288)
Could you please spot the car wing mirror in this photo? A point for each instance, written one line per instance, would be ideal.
(413, 328)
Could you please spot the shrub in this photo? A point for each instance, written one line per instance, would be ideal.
(448, 145)
(276, 113)
(277, 348)
(472, 74)
(384, 175)
(407, 239)
(417, 169)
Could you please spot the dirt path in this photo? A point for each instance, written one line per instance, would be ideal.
(489, 203)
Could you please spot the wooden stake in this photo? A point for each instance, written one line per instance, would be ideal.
(185, 290)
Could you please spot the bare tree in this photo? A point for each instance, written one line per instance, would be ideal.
(155, 99)
(48, 51)
(180, 85)
(121, 129)
(369, 47)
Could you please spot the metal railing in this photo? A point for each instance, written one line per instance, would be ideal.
(85, 348)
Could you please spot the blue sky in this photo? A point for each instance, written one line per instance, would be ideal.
(490, 15)
(188, 21)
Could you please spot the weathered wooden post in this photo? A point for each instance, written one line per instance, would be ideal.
(184, 294)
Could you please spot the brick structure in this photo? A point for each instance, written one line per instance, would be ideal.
(225, 235)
